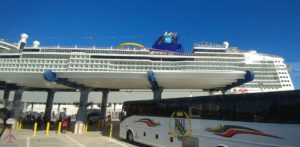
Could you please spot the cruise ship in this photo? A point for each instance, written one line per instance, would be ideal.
(209, 67)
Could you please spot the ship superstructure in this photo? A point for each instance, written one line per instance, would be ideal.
(210, 66)
(271, 72)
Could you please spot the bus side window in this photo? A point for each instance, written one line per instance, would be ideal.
(195, 112)
(211, 109)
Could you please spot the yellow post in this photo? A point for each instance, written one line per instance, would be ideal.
(86, 128)
(47, 128)
(59, 128)
(35, 129)
(17, 125)
(110, 130)
(20, 125)
(84, 125)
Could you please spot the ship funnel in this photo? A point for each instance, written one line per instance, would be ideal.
(23, 40)
(36, 44)
(226, 44)
(168, 42)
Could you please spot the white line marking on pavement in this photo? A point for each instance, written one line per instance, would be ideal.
(28, 142)
(117, 142)
(79, 144)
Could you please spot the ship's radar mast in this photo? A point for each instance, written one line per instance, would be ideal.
(36, 44)
(226, 44)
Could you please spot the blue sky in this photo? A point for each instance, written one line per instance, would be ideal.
(268, 26)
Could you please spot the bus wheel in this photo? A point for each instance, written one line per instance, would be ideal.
(221, 145)
(129, 136)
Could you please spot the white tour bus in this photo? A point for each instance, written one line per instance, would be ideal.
(257, 119)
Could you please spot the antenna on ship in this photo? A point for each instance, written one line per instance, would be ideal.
(36, 44)
(23, 40)
(226, 44)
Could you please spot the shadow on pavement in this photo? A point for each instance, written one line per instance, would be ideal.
(96, 127)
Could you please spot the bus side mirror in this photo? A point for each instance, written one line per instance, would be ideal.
(121, 116)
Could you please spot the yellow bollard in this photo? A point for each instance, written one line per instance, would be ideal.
(20, 125)
(59, 128)
(110, 130)
(86, 128)
(17, 125)
(35, 129)
(84, 125)
(47, 128)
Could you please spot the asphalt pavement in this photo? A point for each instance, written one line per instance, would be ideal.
(94, 137)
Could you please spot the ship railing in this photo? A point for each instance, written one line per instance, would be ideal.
(89, 50)
(119, 51)
(208, 44)
(10, 51)
(108, 50)
(7, 46)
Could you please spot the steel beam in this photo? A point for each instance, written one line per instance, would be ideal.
(156, 89)
(51, 77)
(249, 76)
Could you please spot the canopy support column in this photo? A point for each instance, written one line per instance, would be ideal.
(104, 104)
(17, 107)
(81, 113)
(49, 105)
(6, 97)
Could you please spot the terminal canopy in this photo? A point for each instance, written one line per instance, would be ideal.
(132, 80)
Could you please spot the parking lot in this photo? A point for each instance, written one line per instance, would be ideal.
(94, 137)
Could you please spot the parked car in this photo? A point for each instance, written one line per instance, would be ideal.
(94, 115)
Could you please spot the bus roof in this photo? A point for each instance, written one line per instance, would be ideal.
(228, 96)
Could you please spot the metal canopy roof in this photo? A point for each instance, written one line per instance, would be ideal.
(130, 80)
